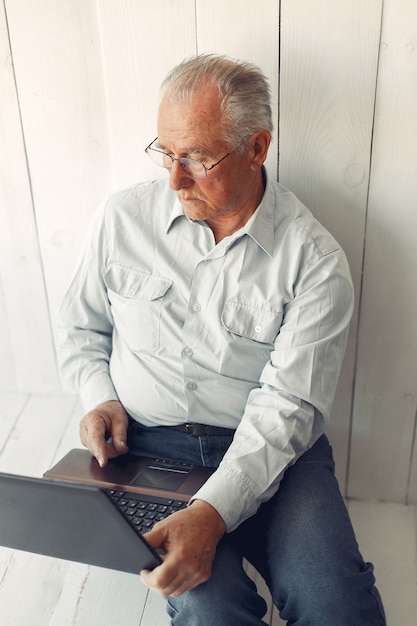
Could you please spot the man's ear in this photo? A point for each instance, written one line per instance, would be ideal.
(260, 142)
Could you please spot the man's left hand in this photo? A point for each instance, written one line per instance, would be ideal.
(189, 538)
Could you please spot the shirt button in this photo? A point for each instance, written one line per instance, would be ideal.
(191, 386)
(197, 308)
(188, 352)
(258, 328)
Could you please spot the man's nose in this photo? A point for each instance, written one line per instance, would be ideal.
(178, 178)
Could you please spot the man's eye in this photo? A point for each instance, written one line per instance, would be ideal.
(199, 159)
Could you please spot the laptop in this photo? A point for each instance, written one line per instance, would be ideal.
(87, 514)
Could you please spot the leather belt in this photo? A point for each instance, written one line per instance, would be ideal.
(200, 430)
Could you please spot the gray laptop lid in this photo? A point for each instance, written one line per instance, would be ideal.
(73, 522)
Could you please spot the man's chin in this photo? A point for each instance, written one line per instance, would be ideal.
(194, 208)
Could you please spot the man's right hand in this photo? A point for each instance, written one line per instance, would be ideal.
(106, 420)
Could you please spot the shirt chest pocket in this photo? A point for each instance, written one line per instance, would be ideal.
(250, 337)
(136, 298)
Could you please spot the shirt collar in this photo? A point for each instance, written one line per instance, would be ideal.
(176, 212)
(260, 226)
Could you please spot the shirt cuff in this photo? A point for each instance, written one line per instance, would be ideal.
(98, 389)
(231, 495)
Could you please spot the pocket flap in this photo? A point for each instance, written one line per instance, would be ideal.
(132, 283)
(252, 322)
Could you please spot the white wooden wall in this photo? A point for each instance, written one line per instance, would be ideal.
(79, 83)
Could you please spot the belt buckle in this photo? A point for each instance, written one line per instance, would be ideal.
(196, 430)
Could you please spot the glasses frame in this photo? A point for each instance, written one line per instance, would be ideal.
(184, 160)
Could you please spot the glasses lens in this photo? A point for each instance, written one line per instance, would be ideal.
(160, 158)
(193, 168)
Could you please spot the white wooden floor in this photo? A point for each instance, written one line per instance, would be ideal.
(38, 591)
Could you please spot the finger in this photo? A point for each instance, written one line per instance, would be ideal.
(162, 582)
(98, 446)
(156, 537)
(119, 435)
(171, 581)
(167, 575)
(175, 575)
(93, 436)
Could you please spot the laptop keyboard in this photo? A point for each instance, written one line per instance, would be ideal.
(143, 511)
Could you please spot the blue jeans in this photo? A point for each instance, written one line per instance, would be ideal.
(301, 541)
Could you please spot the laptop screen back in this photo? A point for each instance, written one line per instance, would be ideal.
(72, 522)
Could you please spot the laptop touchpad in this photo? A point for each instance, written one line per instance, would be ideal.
(162, 475)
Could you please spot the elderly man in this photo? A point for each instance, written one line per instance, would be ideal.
(215, 299)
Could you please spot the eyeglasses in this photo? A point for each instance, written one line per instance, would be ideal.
(191, 167)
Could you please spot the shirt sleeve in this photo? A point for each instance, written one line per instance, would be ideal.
(289, 410)
(84, 324)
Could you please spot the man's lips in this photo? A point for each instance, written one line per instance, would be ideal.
(189, 199)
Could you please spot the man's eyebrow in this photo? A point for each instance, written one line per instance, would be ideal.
(186, 150)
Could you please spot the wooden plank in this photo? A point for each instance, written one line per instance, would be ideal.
(139, 47)
(7, 366)
(255, 38)
(11, 406)
(154, 611)
(5, 557)
(27, 360)
(100, 596)
(64, 87)
(70, 437)
(64, 611)
(89, 107)
(36, 435)
(57, 59)
(412, 488)
(328, 72)
(40, 579)
(386, 389)
(386, 534)
(60, 593)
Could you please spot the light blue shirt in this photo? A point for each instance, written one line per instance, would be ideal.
(249, 333)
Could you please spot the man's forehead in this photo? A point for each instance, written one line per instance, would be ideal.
(191, 126)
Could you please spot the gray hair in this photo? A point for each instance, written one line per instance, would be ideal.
(245, 98)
